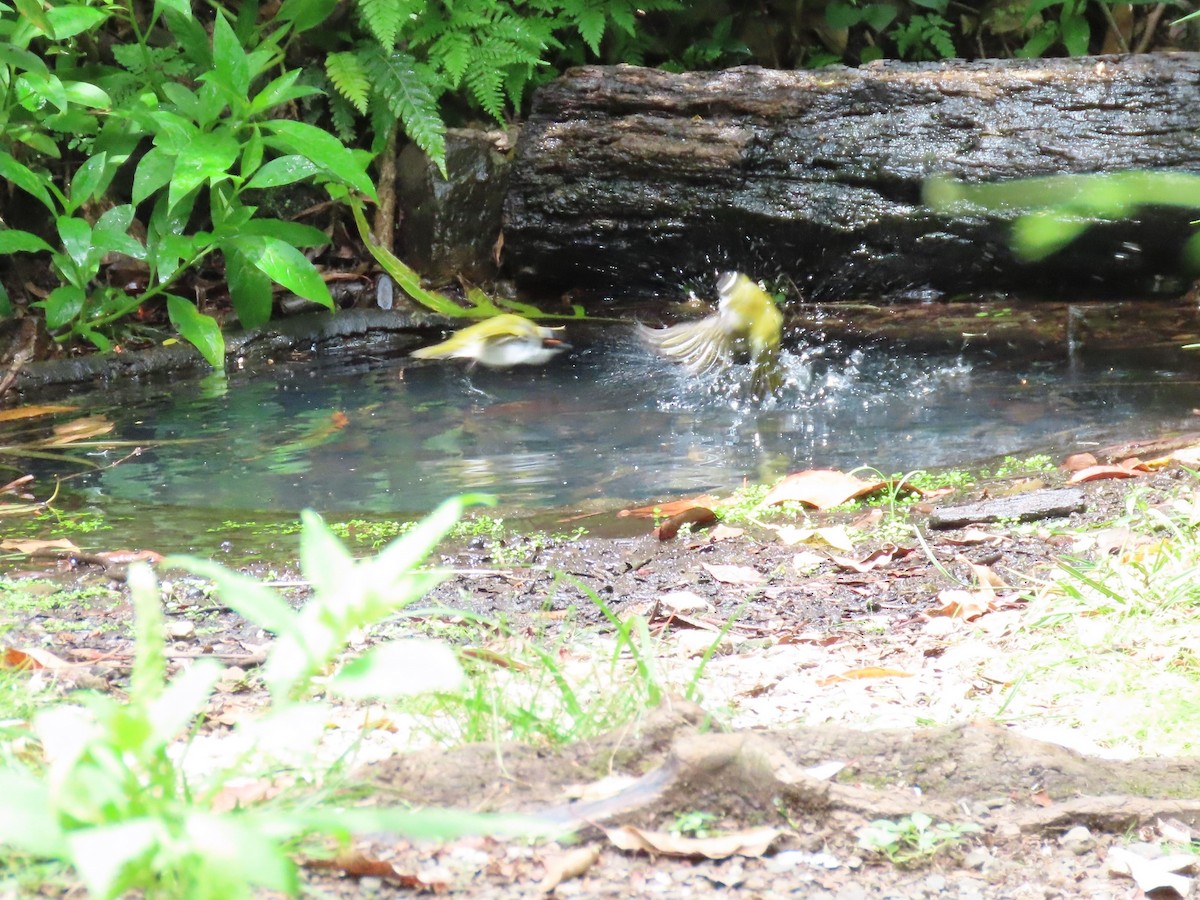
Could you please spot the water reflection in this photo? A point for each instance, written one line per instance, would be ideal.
(607, 423)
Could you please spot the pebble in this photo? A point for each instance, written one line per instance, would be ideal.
(1078, 840)
(935, 883)
(977, 858)
(851, 892)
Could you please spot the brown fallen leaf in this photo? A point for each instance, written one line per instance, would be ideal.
(820, 488)
(1096, 473)
(696, 516)
(32, 546)
(357, 864)
(753, 842)
(80, 429)
(866, 672)
(965, 605)
(725, 533)
(30, 412)
(566, 866)
(1078, 461)
(745, 575)
(879, 558)
(670, 508)
(30, 658)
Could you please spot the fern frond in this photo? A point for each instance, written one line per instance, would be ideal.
(452, 54)
(486, 83)
(346, 72)
(384, 18)
(409, 90)
(341, 116)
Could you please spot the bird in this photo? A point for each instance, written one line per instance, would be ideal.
(498, 343)
(747, 323)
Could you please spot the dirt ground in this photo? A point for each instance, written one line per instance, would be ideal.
(837, 696)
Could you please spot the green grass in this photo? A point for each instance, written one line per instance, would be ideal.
(1119, 627)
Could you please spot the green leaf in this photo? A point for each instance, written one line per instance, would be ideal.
(101, 855)
(15, 241)
(286, 266)
(181, 7)
(1076, 35)
(326, 151)
(282, 90)
(208, 157)
(183, 699)
(199, 330)
(843, 15)
(153, 172)
(35, 14)
(24, 178)
(1039, 235)
(231, 67)
(252, 153)
(62, 306)
(305, 14)
(30, 822)
(249, 597)
(283, 170)
(294, 233)
(20, 58)
(240, 854)
(249, 289)
(401, 668)
(89, 180)
(879, 15)
(76, 236)
(324, 559)
(68, 21)
(84, 94)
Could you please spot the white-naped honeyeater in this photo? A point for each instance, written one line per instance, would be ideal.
(746, 326)
(499, 342)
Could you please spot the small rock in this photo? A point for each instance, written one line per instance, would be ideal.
(970, 888)
(180, 628)
(1078, 841)
(977, 858)
(851, 892)
(935, 883)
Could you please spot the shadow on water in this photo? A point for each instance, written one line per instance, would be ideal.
(606, 425)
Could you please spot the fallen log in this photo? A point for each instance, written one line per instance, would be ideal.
(630, 176)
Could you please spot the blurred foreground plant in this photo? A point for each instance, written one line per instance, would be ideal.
(113, 800)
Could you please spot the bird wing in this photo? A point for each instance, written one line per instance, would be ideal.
(698, 346)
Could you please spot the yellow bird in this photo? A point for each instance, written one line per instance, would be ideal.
(499, 342)
(747, 323)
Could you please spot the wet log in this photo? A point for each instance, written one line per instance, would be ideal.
(629, 175)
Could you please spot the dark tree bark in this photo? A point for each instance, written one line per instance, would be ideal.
(627, 175)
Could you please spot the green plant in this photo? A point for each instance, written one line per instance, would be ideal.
(113, 799)
(924, 37)
(1070, 27)
(912, 839)
(693, 823)
(211, 139)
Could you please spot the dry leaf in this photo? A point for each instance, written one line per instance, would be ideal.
(671, 508)
(745, 575)
(684, 601)
(31, 547)
(31, 658)
(820, 488)
(696, 516)
(867, 672)
(965, 605)
(753, 842)
(806, 561)
(878, 559)
(1153, 875)
(1079, 461)
(568, 865)
(29, 412)
(80, 429)
(725, 533)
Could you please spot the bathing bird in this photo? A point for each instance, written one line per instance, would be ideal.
(747, 323)
(499, 342)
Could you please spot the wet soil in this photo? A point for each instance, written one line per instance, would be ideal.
(782, 740)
